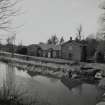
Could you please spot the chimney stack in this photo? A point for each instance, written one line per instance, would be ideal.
(70, 38)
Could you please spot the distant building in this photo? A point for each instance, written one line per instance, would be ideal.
(45, 50)
(73, 50)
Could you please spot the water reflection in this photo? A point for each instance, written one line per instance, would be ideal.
(2, 73)
(53, 90)
(22, 73)
(10, 76)
(77, 90)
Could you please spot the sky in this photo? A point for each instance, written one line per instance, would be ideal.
(43, 18)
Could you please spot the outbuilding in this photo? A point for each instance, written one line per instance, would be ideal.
(45, 50)
(74, 50)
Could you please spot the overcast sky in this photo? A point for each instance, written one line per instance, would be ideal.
(43, 18)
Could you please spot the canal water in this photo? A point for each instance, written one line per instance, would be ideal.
(47, 89)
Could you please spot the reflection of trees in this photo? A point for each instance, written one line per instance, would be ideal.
(10, 76)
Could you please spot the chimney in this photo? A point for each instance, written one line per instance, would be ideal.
(70, 38)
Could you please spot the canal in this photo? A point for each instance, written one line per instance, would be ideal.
(47, 89)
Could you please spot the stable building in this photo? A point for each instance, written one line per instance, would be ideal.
(34, 50)
(45, 50)
(51, 50)
(74, 50)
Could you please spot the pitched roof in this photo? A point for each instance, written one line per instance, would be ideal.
(75, 42)
(50, 46)
(46, 46)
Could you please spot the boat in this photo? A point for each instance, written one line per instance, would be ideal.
(73, 82)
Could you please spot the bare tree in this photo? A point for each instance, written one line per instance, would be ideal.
(11, 40)
(101, 31)
(7, 12)
(61, 40)
(8, 40)
(49, 41)
(11, 43)
(53, 40)
(79, 33)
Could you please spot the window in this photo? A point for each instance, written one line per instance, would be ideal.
(70, 56)
(70, 47)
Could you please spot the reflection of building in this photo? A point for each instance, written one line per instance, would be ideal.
(73, 50)
(71, 83)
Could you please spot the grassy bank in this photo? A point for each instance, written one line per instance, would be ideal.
(47, 66)
(51, 69)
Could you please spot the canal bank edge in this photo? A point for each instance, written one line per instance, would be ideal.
(55, 69)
